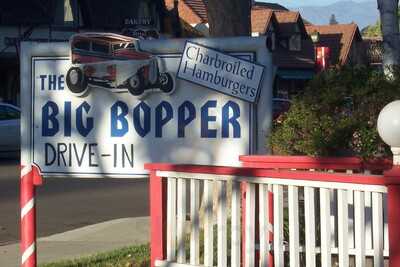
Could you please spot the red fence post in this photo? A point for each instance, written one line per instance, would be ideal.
(157, 218)
(30, 177)
(243, 196)
(394, 224)
(394, 217)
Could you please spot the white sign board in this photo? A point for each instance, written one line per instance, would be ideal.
(107, 133)
(224, 73)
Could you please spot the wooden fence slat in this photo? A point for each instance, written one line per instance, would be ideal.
(171, 219)
(235, 225)
(208, 223)
(377, 228)
(194, 217)
(359, 217)
(350, 199)
(250, 225)
(385, 223)
(222, 221)
(343, 228)
(263, 224)
(368, 220)
(309, 220)
(325, 227)
(181, 221)
(278, 226)
(294, 246)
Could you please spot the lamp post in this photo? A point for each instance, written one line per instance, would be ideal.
(315, 36)
(389, 129)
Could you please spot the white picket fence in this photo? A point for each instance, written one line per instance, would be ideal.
(314, 236)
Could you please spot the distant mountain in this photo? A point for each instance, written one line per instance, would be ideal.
(362, 13)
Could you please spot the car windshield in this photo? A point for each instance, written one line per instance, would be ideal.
(123, 46)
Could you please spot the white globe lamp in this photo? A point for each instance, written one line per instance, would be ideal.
(389, 128)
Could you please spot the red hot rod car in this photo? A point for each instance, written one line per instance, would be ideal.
(114, 62)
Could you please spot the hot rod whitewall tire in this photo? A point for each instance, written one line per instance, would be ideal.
(135, 85)
(166, 83)
(77, 81)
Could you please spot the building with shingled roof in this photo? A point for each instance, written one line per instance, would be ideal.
(344, 40)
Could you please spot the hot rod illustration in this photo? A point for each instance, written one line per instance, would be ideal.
(114, 62)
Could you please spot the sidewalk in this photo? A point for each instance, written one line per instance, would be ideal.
(84, 241)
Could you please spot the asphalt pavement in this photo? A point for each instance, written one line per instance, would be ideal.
(66, 204)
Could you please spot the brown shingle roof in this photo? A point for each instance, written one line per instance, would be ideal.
(338, 37)
(287, 16)
(260, 19)
(272, 6)
(198, 7)
(288, 20)
(191, 11)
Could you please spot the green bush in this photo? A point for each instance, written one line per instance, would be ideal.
(336, 115)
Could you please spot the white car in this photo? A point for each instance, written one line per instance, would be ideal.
(9, 129)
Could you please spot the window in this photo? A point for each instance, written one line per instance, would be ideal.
(130, 46)
(120, 46)
(8, 113)
(84, 45)
(295, 42)
(67, 13)
(100, 48)
(283, 43)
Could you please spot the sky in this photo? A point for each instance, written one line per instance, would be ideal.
(297, 3)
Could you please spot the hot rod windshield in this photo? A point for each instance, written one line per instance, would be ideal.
(120, 46)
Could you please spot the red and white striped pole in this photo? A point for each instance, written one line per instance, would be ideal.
(30, 177)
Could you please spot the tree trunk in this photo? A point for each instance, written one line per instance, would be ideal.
(390, 32)
(229, 17)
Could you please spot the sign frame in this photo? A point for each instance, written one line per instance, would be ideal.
(260, 124)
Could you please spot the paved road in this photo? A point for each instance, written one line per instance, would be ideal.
(65, 204)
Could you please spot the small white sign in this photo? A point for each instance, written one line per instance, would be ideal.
(221, 72)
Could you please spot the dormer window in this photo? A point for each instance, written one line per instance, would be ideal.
(283, 42)
(295, 42)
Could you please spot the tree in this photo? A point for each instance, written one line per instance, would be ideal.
(332, 20)
(375, 30)
(229, 17)
(388, 10)
(372, 30)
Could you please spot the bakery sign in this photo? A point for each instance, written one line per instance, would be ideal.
(219, 71)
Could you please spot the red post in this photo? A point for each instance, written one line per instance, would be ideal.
(271, 224)
(30, 176)
(157, 218)
(243, 193)
(393, 216)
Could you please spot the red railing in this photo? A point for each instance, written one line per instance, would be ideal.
(391, 180)
(317, 163)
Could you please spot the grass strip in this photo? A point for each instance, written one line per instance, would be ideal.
(133, 256)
